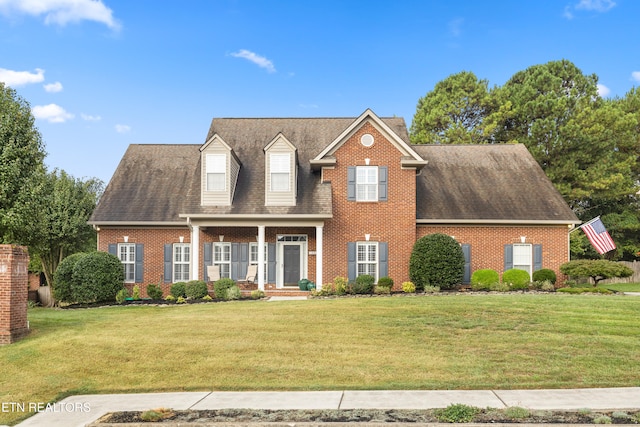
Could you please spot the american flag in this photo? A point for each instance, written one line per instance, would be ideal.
(598, 235)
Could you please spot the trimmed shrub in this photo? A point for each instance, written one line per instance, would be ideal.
(436, 260)
(431, 289)
(154, 291)
(233, 293)
(257, 294)
(220, 287)
(381, 290)
(97, 277)
(179, 289)
(408, 287)
(481, 280)
(122, 296)
(136, 293)
(544, 274)
(63, 278)
(340, 285)
(196, 289)
(516, 278)
(385, 282)
(363, 285)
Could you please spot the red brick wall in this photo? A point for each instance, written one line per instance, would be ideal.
(14, 290)
(487, 243)
(391, 221)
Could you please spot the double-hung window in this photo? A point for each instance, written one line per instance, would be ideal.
(366, 183)
(222, 258)
(253, 256)
(216, 172)
(522, 257)
(127, 255)
(280, 169)
(181, 262)
(367, 258)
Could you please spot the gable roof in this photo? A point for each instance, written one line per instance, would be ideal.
(486, 184)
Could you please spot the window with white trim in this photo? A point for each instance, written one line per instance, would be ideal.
(222, 258)
(253, 256)
(127, 255)
(216, 172)
(280, 169)
(522, 257)
(367, 258)
(366, 183)
(181, 261)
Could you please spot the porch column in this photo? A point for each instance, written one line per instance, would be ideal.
(319, 256)
(195, 252)
(261, 278)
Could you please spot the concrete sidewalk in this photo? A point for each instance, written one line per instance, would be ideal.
(85, 409)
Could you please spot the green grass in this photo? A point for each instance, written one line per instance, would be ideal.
(622, 287)
(437, 342)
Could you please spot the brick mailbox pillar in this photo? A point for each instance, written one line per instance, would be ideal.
(14, 293)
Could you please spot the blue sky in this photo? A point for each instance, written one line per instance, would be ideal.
(101, 75)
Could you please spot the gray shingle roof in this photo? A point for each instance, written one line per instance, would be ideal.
(158, 183)
(486, 182)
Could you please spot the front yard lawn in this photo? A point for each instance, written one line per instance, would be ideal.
(509, 341)
(622, 287)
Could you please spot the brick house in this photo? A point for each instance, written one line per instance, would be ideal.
(318, 198)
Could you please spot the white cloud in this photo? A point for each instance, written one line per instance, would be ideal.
(599, 6)
(123, 128)
(53, 87)
(52, 113)
(260, 61)
(455, 27)
(20, 78)
(90, 118)
(62, 12)
(596, 5)
(635, 75)
(603, 91)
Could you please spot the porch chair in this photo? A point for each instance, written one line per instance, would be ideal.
(213, 272)
(252, 274)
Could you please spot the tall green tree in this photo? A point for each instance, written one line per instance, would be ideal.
(59, 225)
(454, 112)
(21, 163)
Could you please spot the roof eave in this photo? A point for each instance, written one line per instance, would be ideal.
(568, 222)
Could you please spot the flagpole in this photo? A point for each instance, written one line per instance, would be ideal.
(585, 224)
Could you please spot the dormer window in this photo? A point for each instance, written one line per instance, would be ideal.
(280, 167)
(216, 172)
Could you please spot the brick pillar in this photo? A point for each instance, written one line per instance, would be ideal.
(14, 292)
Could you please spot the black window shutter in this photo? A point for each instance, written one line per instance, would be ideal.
(207, 251)
(235, 261)
(271, 263)
(351, 183)
(113, 249)
(168, 263)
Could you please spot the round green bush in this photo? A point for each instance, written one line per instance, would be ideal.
(544, 274)
(516, 278)
(220, 287)
(154, 291)
(233, 293)
(63, 278)
(481, 280)
(97, 277)
(364, 284)
(385, 282)
(178, 289)
(436, 260)
(196, 289)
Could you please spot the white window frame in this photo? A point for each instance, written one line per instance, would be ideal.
(523, 257)
(280, 169)
(367, 259)
(216, 168)
(181, 262)
(367, 183)
(253, 256)
(222, 257)
(127, 256)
